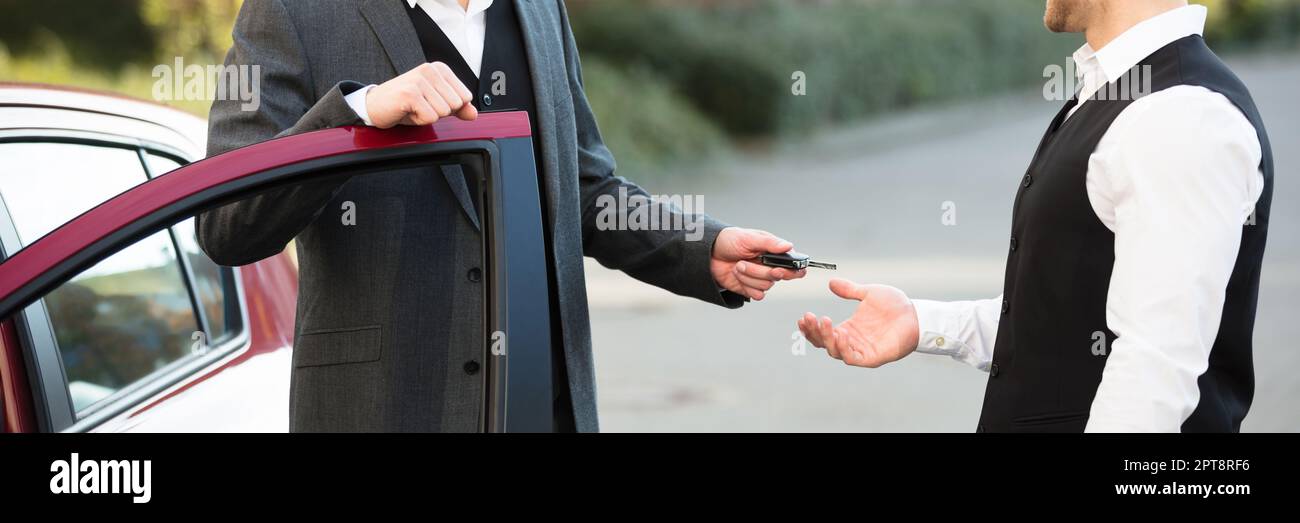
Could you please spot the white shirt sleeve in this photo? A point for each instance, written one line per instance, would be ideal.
(963, 330)
(357, 101)
(1175, 178)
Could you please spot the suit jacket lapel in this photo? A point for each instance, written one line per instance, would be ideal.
(543, 57)
(388, 19)
(455, 176)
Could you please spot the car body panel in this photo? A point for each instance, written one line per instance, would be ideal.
(17, 414)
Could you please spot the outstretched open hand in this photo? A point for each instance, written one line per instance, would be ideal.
(882, 330)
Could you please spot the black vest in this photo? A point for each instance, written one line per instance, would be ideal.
(505, 84)
(1045, 372)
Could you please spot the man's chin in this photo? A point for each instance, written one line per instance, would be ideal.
(1054, 23)
(1064, 16)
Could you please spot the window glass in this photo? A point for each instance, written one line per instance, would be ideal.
(122, 320)
(209, 282)
(160, 165)
(47, 184)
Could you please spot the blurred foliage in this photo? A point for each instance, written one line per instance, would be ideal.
(644, 121)
(103, 34)
(111, 45)
(192, 28)
(107, 35)
(735, 60)
(1236, 24)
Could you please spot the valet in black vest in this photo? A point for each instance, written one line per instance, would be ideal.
(1043, 361)
(505, 85)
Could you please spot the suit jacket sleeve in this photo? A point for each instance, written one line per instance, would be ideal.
(259, 227)
(663, 258)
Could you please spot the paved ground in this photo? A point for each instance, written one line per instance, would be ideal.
(870, 199)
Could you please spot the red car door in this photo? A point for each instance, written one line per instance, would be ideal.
(36, 389)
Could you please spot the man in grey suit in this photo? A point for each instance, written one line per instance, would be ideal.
(389, 330)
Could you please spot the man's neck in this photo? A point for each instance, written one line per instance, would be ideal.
(464, 4)
(1119, 16)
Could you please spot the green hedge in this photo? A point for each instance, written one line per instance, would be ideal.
(735, 62)
(1236, 24)
(650, 129)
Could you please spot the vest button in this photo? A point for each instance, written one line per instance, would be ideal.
(1029, 180)
(1006, 306)
(1013, 244)
(475, 275)
(487, 100)
(471, 367)
(994, 371)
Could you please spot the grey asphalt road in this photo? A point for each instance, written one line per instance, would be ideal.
(871, 198)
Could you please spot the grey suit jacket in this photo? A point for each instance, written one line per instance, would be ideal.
(387, 317)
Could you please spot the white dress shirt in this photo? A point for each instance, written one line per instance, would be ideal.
(1175, 177)
(466, 28)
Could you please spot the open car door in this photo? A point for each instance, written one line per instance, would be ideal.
(516, 400)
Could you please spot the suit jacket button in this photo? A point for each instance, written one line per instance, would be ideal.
(995, 370)
(471, 367)
(475, 275)
(1006, 306)
(487, 100)
(1029, 180)
(1013, 244)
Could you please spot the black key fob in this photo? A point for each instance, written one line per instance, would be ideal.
(793, 261)
(789, 260)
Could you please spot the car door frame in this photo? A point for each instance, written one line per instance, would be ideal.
(158, 204)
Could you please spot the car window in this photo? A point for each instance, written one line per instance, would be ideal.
(46, 184)
(123, 319)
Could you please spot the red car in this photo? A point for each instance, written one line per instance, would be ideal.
(114, 319)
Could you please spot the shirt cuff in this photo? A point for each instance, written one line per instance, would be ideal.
(939, 324)
(931, 320)
(357, 101)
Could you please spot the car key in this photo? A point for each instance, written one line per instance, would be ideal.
(793, 260)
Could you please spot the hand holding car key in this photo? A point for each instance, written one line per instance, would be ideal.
(793, 260)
